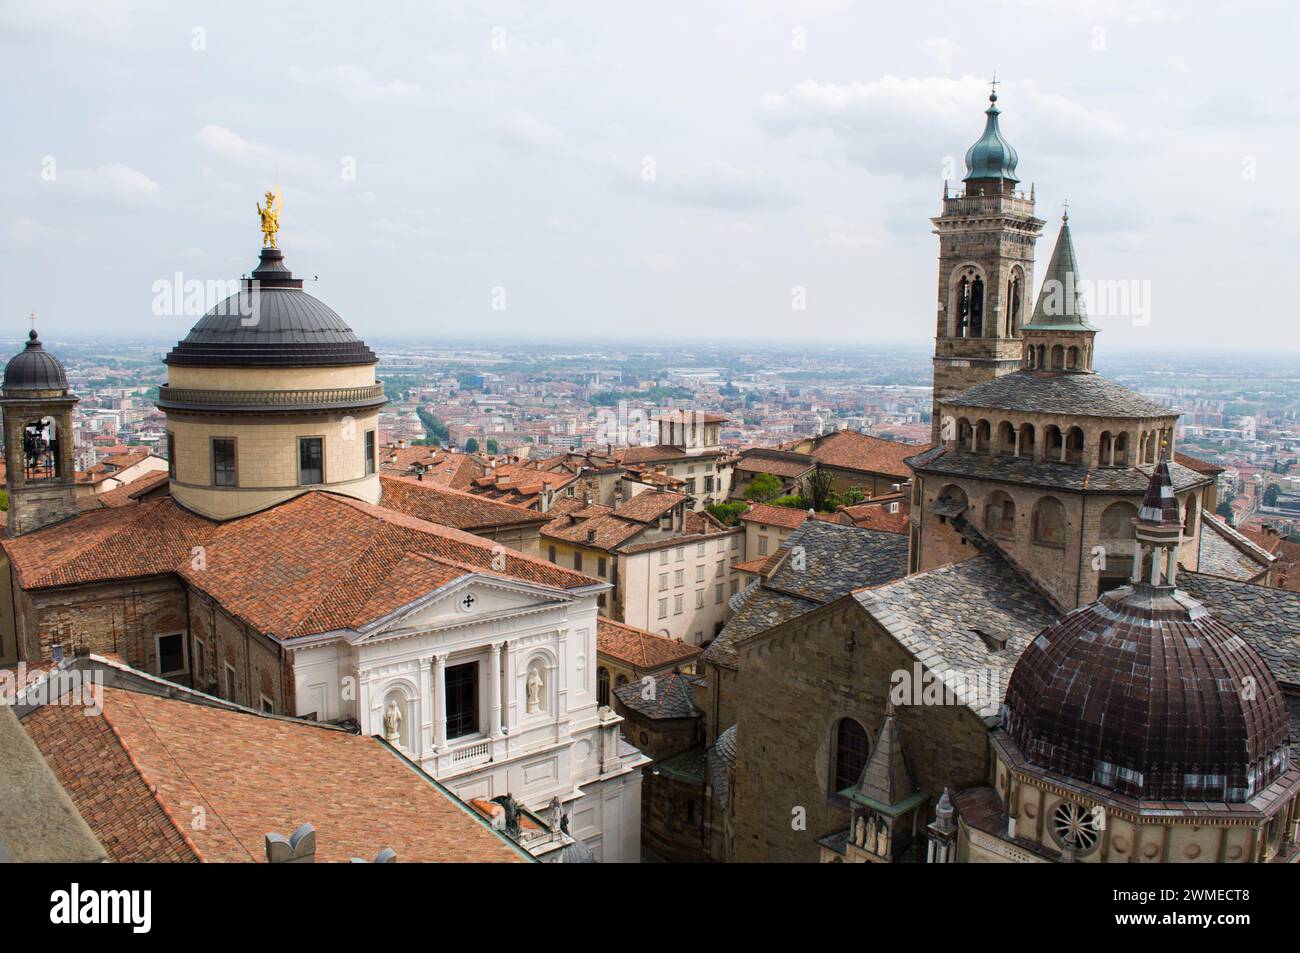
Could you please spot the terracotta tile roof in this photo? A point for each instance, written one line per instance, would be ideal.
(601, 531)
(759, 565)
(441, 467)
(315, 563)
(786, 465)
(639, 648)
(127, 493)
(1286, 567)
(850, 450)
(648, 506)
(250, 775)
(877, 516)
(785, 516)
(449, 507)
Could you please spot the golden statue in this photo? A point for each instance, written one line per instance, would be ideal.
(270, 218)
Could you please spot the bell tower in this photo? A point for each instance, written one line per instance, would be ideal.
(40, 465)
(986, 235)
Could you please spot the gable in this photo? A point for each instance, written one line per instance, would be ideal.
(469, 600)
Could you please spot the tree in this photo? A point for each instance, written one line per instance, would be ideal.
(471, 445)
(763, 487)
(1271, 494)
(821, 490)
(727, 513)
(432, 425)
(493, 447)
(1224, 509)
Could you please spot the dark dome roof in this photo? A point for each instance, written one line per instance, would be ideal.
(274, 323)
(991, 157)
(33, 368)
(1147, 694)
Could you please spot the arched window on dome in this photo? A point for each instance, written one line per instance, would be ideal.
(1053, 444)
(1072, 359)
(1006, 444)
(1117, 535)
(851, 746)
(1058, 358)
(983, 433)
(1190, 510)
(1074, 445)
(1026, 441)
(1120, 456)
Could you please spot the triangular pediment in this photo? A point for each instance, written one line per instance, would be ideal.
(467, 601)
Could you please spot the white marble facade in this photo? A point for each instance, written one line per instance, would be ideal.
(529, 724)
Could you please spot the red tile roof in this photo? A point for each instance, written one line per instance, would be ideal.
(850, 450)
(127, 493)
(648, 506)
(449, 507)
(315, 563)
(785, 516)
(639, 648)
(441, 467)
(876, 515)
(139, 771)
(1197, 464)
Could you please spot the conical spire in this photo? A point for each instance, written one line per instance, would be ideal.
(1060, 299)
(1159, 506)
(885, 777)
(991, 157)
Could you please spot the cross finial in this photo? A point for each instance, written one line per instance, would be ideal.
(1065, 211)
(993, 91)
(32, 318)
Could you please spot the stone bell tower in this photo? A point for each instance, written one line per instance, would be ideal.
(40, 468)
(986, 235)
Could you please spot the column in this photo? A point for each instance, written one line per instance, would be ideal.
(426, 706)
(1156, 556)
(1171, 568)
(494, 690)
(440, 702)
(1137, 563)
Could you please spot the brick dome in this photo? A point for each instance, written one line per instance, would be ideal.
(1147, 694)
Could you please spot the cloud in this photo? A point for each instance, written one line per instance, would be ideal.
(521, 129)
(226, 144)
(26, 232)
(910, 126)
(717, 185)
(942, 50)
(357, 85)
(114, 184)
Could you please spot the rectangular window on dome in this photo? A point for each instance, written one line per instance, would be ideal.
(370, 452)
(223, 462)
(311, 460)
(171, 455)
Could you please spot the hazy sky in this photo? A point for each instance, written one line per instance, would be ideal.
(655, 169)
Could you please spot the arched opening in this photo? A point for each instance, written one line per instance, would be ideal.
(1041, 362)
(1105, 449)
(852, 746)
(1000, 514)
(1049, 522)
(1058, 358)
(961, 310)
(1074, 445)
(602, 686)
(1053, 443)
(983, 433)
(1119, 455)
(1030, 361)
(397, 719)
(953, 499)
(977, 308)
(1116, 538)
(1026, 442)
(1006, 438)
(1014, 294)
(41, 450)
(965, 434)
(1072, 359)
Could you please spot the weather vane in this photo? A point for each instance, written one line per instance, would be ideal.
(270, 218)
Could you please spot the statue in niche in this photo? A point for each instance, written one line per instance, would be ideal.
(535, 686)
(393, 722)
(554, 815)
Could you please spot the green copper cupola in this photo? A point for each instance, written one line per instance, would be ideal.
(992, 157)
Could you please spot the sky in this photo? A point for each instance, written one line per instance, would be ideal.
(737, 170)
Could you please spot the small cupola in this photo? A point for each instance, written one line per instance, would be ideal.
(991, 161)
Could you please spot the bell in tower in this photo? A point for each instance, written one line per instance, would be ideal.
(986, 235)
(37, 410)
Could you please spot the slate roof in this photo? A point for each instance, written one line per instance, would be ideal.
(1055, 476)
(720, 756)
(449, 507)
(937, 616)
(1225, 552)
(1059, 392)
(673, 696)
(34, 368)
(836, 560)
(1267, 618)
(138, 769)
(1141, 693)
(638, 648)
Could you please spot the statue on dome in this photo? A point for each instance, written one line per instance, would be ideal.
(270, 218)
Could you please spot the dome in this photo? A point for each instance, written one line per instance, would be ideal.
(272, 323)
(1147, 694)
(992, 157)
(33, 368)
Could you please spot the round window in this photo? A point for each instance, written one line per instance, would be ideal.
(1076, 827)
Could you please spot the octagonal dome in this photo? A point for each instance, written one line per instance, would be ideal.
(1147, 694)
(34, 369)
